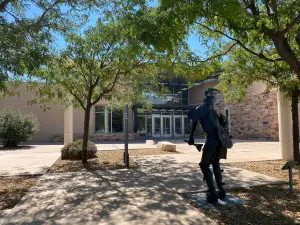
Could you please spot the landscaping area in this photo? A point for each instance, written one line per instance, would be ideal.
(266, 204)
(104, 160)
(269, 204)
(13, 188)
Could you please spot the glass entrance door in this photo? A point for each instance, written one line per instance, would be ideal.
(187, 126)
(148, 126)
(167, 131)
(178, 126)
(156, 125)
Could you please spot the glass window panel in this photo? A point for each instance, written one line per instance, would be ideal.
(185, 101)
(142, 124)
(177, 95)
(167, 125)
(178, 125)
(156, 125)
(149, 125)
(187, 125)
(99, 123)
(185, 92)
(117, 121)
(177, 112)
(99, 109)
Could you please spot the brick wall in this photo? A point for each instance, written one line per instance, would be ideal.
(255, 118)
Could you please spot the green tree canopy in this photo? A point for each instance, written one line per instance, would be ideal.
(254, 40)
(106, 59)
(27, 29)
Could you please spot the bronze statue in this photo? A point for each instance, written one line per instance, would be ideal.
(215, 147)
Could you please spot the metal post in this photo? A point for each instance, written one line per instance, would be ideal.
(291, 179)
(126, 155)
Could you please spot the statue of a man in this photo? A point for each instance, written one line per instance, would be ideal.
(209, 120)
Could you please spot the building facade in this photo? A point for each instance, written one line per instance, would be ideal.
(255, 118)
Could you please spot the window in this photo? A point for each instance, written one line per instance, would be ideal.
(117, 121)
(177, 95)
(99, 119)
(108, 120)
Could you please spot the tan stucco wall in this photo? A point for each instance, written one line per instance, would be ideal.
(196, 94)
(51, 121)
(257, 87)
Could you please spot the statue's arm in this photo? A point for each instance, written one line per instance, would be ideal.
(200, 111)
(194, 126)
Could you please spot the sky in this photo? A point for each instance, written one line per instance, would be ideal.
(192, 40)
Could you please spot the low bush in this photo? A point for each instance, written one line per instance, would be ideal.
(17, 127)
(73, 151)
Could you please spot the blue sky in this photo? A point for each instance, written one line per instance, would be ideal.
(193, 40)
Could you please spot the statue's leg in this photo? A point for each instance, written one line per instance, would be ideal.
(206, 160)
(218, 175)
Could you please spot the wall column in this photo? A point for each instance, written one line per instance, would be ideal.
(285, 127)
(68, 125)
(106, 120)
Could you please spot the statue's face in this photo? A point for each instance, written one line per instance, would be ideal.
(212, 93)
(211, 100)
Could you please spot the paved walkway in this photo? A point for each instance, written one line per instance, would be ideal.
(34, 159)
(146, 195)
(241, 151)
(37, 158)
(102, 197)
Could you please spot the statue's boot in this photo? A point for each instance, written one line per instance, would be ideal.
(212, 195)
(218, 176)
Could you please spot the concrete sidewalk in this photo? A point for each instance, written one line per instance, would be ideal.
(145, 195)
(241, 151)
(187, 177)
(30, 160)
(102, 197)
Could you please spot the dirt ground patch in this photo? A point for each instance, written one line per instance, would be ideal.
(272, 204)
(105, 160)
(13, 188)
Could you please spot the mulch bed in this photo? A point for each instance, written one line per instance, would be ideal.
(271, 204)
(13, 188)
(105, 160)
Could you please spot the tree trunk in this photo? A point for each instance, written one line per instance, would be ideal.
(285, 51)
(295, 125)
(86, 133)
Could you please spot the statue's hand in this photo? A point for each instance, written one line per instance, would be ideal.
(191, 141)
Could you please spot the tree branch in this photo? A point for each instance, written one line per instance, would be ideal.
(82, 73)
(291, 25)
(268, 7)
(77, 98)
(106, 89)
(259, 55)
(3, 5)
(14, 16)
(219, 55)
(46, 11)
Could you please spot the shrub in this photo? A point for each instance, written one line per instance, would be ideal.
(16, 127)
(73, 151)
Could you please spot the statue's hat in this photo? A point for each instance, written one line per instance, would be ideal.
(209, 90)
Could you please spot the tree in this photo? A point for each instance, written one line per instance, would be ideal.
(268, 30)
(27, 29)
(94, 65)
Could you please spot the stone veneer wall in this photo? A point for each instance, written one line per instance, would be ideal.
(255, 118)
(99, 137)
